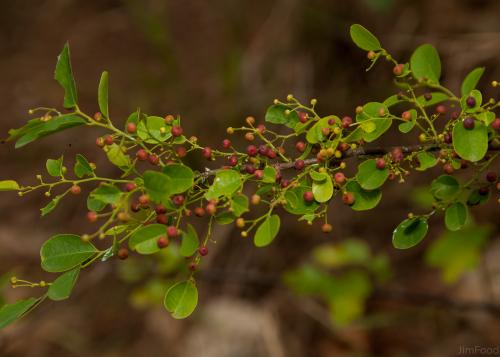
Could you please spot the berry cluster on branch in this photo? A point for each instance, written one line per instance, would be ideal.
(297, 162)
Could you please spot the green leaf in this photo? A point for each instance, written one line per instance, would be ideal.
(226, 183)
(426, 160)
(181, 178)
(486, 117)
(54, 167)
(269, 175)
(157, 186)
(323, 190)
(94, 204)
(409, 233)
(471, 80)
(144, 240)
(371, 113)
(276, 114)
(64, 75)
(239, 204)
(113, 231)
(437, 97)
(455, 216)
(369, 176)
(476, 198)
(117, 157)
(181, 299)
(65, 251)
(38, 128)
(267, 231)
(314, 134)
(9, 185)
(472, 144)
(61, 287)
(107, 194)
(82, 167)
(364, 39)
(50, 206)
(445, 187)
(190, 242)
(102, 94)
(363, 199)
(154, 130)
(11, 312)
(425, 63)
(456, 252)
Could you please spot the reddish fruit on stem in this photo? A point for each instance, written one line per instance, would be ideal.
(397, 154)
(259, 174)
(469, 123)
(427, 96)
(131, 128)
(326, 228)
(211, 208)
(308, 196)
(172, 231)
(130, 186)
(348, 198)
(226, 143)
(299, 164)
(252, 150)
(108, 140)
(441, 109)
(178, 200)
(122, 253)
(339, 178)
(143, 200)
(491, 176)
(153, 159)
(162, 219)
(160, 209)
(380, 163)
(99, 142)
(300, 146)
(496, 124)
(76, 190)
(233, 160)
(398, 69)
(176, 130)
(199, 211)
(285, 183)
(207, 153)
(447, 138)
(406, 116)
(203, 251)
(448, 168)
(162, 242)
(91, 216)
(470, 101)
(142, 155)
(346, 122)
(303, 117)
(483, 191)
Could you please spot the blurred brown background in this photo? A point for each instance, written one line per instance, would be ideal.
(215, 62)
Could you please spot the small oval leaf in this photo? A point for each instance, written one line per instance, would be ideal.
(181, 299)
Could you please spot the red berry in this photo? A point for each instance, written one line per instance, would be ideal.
(199, 211)
(206, 153)
(211, 208)
(303, 116)
(428, 96)
(483, 191)
(455, 114)
(406, 115)
(380, 163)
(496, 124)
(192, 266)
(131, 128)
(325, 131)
(447, 138)
(346, 122)
(397, 154)
(285, 183)
(470, 101)
(398, 69)
(142, 155)
(252, 150)
(259, 174)
(469, 123)
(91, 216)
(300, 146)
(203, 251)
(261, 128)
(160, 209)
(339, 178)
(233, 160)
(99, 142)
(448, 168)
(308, 196)
(249, 168)
(491, 176)
(122, 253)
(76, 190)
(348, 198)
(130, 186)
(143, 200)
(153, 159)
(178, 200)
(326, 228)
(176, 130)
(441, 109)
(263, 150)
(271, 154)
(97, 116)
(108, 140)
(226, 143)
(299, 164)
(172, 231)
(162, 242)
(180, 151)
(162, 219)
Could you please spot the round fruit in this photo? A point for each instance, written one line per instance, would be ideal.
(441, 109)
(339, 178)
(299, 164)
(491, 176)
(142, 155)
(143, 200)
(469, 123)
(398, 69)
(108, 140)
(406, 116)
(178, 200)
(91, 216)
(308, 196)
(211, 208)
(470, 101)
(226, 143)
(172, 231)
(255, 199)
(176, 130)
(326, 228)
(99, 142)
(207, 153)
(131, 128)
(75, 189)
(203, 251)
(162, 242)
(380, 163)
(346, 122)
(496, 124)
(348, 198)
(130, 186)
(300, 146)
(162, 219)
(233, 160)
(448, 168)
(303, 117)
(252, 150)
(122, 253)
(153, 159)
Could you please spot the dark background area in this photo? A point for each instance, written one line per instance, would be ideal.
(215, 62)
